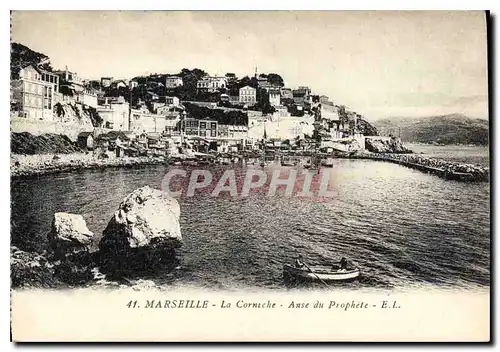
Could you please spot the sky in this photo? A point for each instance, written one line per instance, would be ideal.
(379, 64)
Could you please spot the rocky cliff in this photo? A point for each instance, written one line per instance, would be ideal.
(73, 113)
(378, 145)
(26, 143)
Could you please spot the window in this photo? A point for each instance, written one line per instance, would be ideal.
(203, 125)
(213, 125)
(213, 133)
(203, 133)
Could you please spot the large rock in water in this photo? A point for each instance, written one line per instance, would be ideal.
(142, 233)
(69, 233)
(70, 240)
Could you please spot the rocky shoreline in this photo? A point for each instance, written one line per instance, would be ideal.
(140, 239)
(41, 164)
(22, 166)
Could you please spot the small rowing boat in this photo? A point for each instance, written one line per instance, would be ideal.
(321, 272)
(328, 162)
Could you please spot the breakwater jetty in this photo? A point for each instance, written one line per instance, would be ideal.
(442, 168)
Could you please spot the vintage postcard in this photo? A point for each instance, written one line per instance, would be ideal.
(244, 176)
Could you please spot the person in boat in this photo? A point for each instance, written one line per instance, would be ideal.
(343, 263)
(299, 262)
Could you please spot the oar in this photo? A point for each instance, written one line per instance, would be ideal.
(307, 266)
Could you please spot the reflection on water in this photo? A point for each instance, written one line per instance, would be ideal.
(399, 226)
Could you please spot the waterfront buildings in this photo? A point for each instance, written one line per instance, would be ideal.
(87, 97)
(171, 128)
(34, 93)
(215, 136)
(199, 128)
(71, 84)
(248, 95)
(233, 131)
(143, 121)
(70, 80)
(114, 113)
(85, 140)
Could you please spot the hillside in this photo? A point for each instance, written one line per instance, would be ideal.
(21, 56)
(445, 129)
(26, 143)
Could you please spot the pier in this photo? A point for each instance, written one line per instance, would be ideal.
(478, 174)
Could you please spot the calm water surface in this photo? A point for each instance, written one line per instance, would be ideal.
(458, 153)
(403, 228)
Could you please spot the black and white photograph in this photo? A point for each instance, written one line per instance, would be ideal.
(250, 176)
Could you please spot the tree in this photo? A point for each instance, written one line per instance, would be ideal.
(263, 103)
(22, 56)
(190, 78)
(117, 92)
(343, 117)
(94, 84)
(275, 79)
(247, 81)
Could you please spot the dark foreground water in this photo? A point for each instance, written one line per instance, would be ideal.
(401, 227)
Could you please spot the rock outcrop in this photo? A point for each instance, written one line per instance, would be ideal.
(41, 164)
(70, 241)
(30, 269)
(69, 233)
(142, 234)
(49, 143)
(378, 145)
